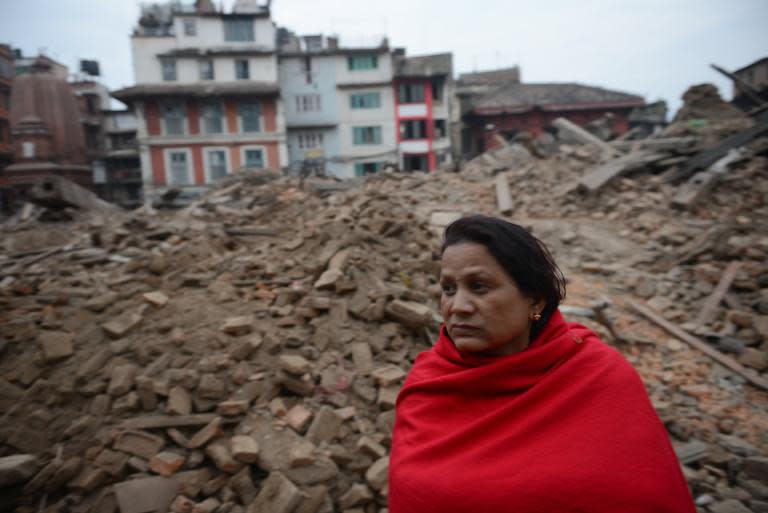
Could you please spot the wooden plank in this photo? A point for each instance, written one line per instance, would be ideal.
(717, 295)
(726, 361)
(701, 183)
(167, 421)
(606, 172)
(585, 137)
(503, 197)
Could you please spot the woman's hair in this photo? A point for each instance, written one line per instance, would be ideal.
(525, 258)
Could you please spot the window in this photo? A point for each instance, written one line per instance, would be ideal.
(178, 168)
(366, 135)
(310, 140)
(216, 161)
(368, 168)
(440, 128)
(213, 117)
(5, 97)
(206, 69)
(362, 62)
(410, 93)
(242, 71)
(250, 116)
(308, 103)
(168, 67)
(239, 30)
(28, 150)
(415, 129)
(173, 118)
(253, 158)
(190, 27)
(437, 89)
(365, 101)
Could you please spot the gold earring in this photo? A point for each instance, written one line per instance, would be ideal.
(536, 317)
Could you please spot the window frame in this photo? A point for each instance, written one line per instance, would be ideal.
(169, 77)
(262, 149)
(230, 35)
(405, 93)
(204, 119)
(183, 117)
(206, 163)
(423, 129)
(206, 70)
(190, 170)
(240, 122)
(361, 103)
(375, 132)
(310, 140)
(247, 75)
(379, 165)
(355, 62)
(190, 26)
(308, 103)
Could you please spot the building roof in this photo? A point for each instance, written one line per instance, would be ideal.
(199, 89)
(347, 50)
(217, 51)
(425, 65)
(756, 63)
(513, 98)
(496, 76)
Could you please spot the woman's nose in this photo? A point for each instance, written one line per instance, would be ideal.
(462, 302)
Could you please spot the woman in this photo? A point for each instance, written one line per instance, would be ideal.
(515, 410)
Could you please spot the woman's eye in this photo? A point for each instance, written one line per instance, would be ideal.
(448, 289)
(479, 286)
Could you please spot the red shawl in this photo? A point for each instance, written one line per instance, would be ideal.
(564, 426)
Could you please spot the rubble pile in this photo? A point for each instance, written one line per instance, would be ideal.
(244, 353)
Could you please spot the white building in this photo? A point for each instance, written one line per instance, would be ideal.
(206, 95)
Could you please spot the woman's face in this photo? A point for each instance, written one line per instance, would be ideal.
(484, 311)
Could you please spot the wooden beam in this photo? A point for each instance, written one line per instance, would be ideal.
(717, 295)
(167, 421)
(606, 172)
(585, 137)
(727, 361)
(503, 197)
(701, 183)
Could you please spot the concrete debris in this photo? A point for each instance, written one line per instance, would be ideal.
(245, 353)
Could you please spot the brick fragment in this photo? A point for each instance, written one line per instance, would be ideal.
(55, 345)
(244, 448)
(204, 435)
(166, 463)
(387, 397)
(277, 495)
(139, 443)
(409, 313)
(238, 326)
(357, 495)
(376, 475)
(388, 375)
(325, 426)
(17, 468)
(362, 357)
(222, 457)
(298, 418)
(120, 327)
(122, 381)
(179, 402)
(369, 446)
(156, 298)
(294, 364)
(182, 504)
(301, 454)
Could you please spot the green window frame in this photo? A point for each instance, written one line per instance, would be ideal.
(365, 100)
(362, 62)
(366, 135)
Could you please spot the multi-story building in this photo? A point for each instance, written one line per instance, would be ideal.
(339, 105)
(423, 92)
(122, 168)
(206, 95)
(6, 82)
(351, 111)
(6, 147)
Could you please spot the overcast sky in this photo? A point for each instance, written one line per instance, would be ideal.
(654, 48)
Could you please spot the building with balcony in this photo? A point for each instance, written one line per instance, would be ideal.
(423, 88)
(351, 111)
(6, 83)
(122, 182)
(206, 97)
(339, 106)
